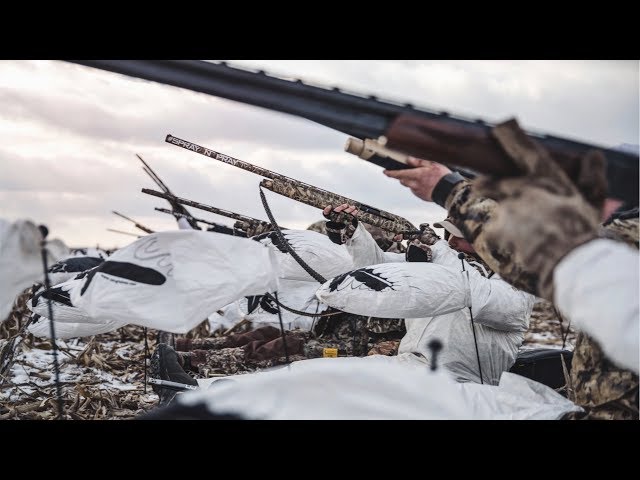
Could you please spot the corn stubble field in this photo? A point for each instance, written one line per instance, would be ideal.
(102, 377)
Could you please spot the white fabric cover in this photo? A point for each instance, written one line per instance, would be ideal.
(365, 251)
(515, 398)
(72, 330)
(183, 224)
(501, 316)
(173, 280)
(317, 251)
(336, 388)
(21, 259)
(374, 388)
(70, 267)
(296, 294)
(87, 252)
(596, 286)
(64, 311)
(226, 317)
(397, 290)
(433, 299)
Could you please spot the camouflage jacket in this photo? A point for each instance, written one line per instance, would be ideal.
(604, 390)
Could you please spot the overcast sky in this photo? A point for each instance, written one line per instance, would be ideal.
(69, 134)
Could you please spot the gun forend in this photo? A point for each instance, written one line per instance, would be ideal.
(394, 224)
(368, 147)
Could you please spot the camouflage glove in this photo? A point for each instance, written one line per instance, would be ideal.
(253, 230)
(540, 216)
(418, 252)
(427, 235)
(340, 226)
(419, 247)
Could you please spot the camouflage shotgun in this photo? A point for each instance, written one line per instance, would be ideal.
(139, 226)
(421, 132)
(300, 193)
(251, 226)
(319, 194)
(217, 227)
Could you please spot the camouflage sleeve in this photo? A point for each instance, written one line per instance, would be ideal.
(522, 244)
(455, 192)
(470, 213)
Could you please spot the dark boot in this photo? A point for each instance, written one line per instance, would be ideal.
(165, 365)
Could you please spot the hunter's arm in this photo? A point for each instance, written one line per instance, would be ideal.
(365, 251)
(596, 286)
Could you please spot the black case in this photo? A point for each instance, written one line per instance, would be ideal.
(543, 365)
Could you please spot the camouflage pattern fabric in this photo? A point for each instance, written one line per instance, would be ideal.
(423, 241)
(604, 390)
(253, 229)
(245, 352)
(526, 256)
(388, 348)
(597, 385)
(427, 235)
(392, 326)
(383, 238)
(340, 232)
(318, 198)
(233, 361)
(546, 326)
(347, 336)
(362, 332)
(622, 230)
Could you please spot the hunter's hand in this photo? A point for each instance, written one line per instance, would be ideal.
(342, 222)
(418, 252)
(427, 236)
(344, 213)
(422, 179)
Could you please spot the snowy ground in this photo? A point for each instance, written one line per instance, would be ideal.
(102, 377)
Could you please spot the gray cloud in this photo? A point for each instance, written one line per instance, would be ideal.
(71, 133)
(129, 112)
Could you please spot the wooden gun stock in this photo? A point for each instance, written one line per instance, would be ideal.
(458, 145)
